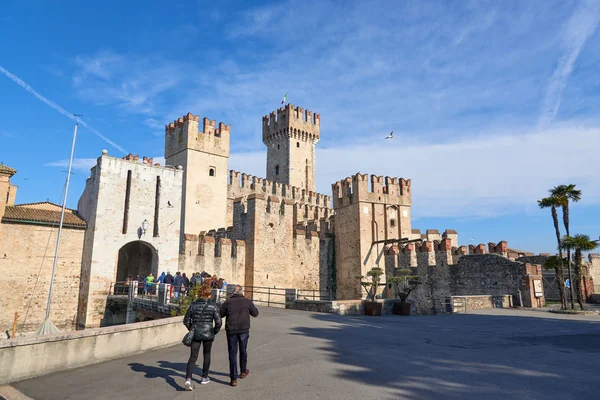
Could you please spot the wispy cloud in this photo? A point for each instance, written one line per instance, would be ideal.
(85, 164)
(56, 107)
(78, 163)
(133, 83)
(486, 176)
(578, 29)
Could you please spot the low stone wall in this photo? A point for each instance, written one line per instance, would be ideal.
(341, 307)
(25, 358)
(464, 304)
(594, 298)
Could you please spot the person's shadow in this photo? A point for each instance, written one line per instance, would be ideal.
(169, 371)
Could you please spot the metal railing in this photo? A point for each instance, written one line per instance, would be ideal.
(265, 295)
(262, 295)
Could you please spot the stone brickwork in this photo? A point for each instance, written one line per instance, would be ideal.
(279, 254)
(594, 270)
(464, 304)
(26, 258)
(448, 271)
(119, 195)
(290, 134)
(366, 213)
(204, 156)
(311, 206)
(216, 255)
(340, 307)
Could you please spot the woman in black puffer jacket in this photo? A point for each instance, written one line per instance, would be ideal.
(201, 315)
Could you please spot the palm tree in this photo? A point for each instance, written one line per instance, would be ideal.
(579, 243)
(564, 193)
(556, 263)
(552, 203)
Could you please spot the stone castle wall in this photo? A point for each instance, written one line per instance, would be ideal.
(449, 271)
(278, 253)
(364, 215)
(290, 134)
(26, 258)
(312, 205)
(214, 254)
(110, 227)
(204, 156)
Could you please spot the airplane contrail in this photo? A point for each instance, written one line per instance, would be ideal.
(55, 106)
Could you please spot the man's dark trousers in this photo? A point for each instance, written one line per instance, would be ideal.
(235, 341)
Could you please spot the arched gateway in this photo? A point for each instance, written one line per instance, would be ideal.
(137, 257)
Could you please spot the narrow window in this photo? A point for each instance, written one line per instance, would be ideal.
(211, 172)
(277, 170)
(392, 222)
(156, 206)
(297, 144)
(127, 195)
(277, 147)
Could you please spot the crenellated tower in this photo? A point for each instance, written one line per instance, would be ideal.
(290, 134)
(368, 212)
(204, 156)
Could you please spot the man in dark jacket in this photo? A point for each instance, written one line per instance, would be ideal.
(168, 278)
(177, 283)
(238, 310)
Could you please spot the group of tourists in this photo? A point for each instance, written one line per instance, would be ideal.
(180, 283)
(204, 318)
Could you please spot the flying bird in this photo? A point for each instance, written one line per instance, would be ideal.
(390, 136)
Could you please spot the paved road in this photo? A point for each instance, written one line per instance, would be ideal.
(498, 354)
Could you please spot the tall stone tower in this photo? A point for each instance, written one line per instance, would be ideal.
(367, 213)
(290, 135)
(204, 156)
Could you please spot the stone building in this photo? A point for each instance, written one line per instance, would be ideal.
(136, 217)
(28, 234)
(133, 213)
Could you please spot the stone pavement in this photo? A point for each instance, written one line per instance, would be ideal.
(495, 354)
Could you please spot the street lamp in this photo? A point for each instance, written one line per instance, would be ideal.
(144, 226)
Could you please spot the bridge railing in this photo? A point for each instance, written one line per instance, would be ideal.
(262, 295)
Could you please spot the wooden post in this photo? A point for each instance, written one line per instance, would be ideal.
(14, 330)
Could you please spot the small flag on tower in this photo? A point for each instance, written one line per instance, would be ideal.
(284, 99)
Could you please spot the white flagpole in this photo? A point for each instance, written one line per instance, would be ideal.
(62, 216)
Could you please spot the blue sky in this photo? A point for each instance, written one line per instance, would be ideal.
(492, 103)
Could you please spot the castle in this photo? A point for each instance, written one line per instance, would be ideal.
(194, 214)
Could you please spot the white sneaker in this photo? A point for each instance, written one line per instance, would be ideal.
(204, 381)
(188, 386)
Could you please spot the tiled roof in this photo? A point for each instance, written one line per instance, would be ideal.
(7, 170)
(42, 217)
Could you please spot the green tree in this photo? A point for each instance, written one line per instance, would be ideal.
(404, 282)
(185, 303)
(553, 203)
(564, 194)
(372, 285)
(579, 243)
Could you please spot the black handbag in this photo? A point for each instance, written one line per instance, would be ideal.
(189, 337)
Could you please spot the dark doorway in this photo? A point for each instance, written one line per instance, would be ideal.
(135, 258)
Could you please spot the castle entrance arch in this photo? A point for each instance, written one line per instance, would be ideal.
(137, 257)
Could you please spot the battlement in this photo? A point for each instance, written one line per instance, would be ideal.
(439, 252)
(261, 208)
(382, 190)
(291, 122)
(184, 133)
(241, 184)
(208, 245)
(130, 159)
